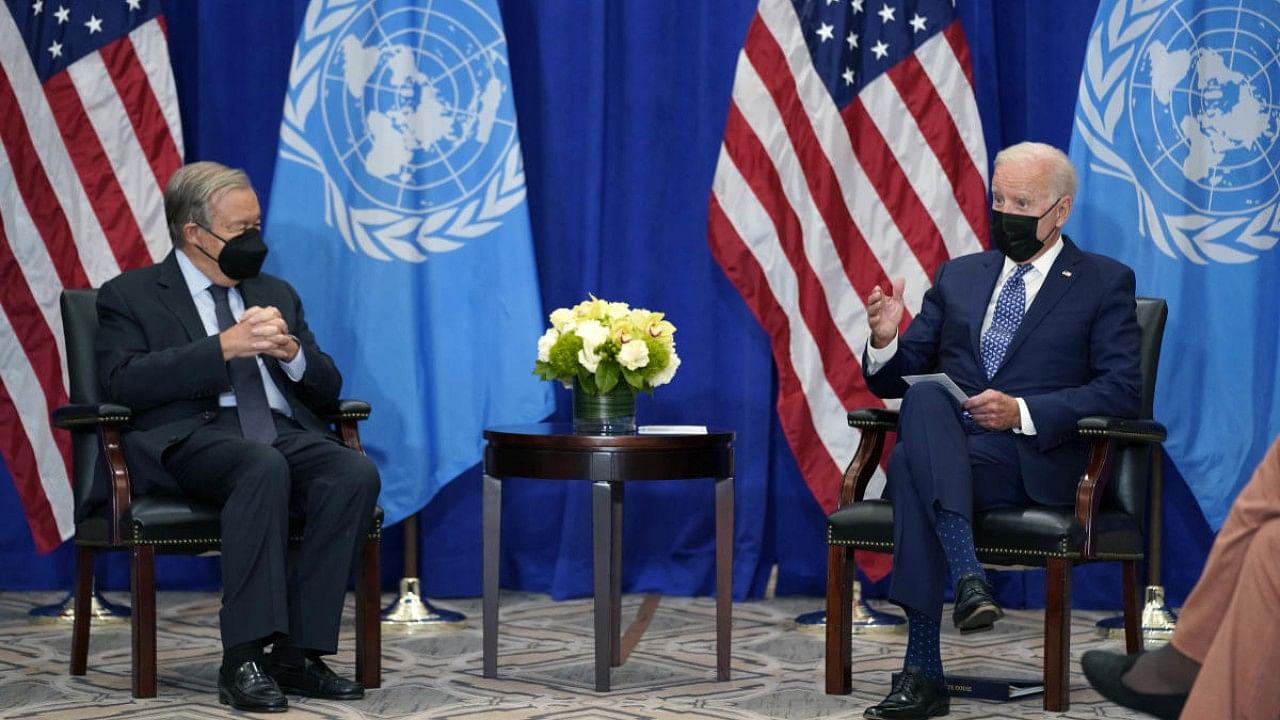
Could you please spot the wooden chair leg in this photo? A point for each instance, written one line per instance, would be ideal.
(368, 619)
(83, 595)
(1057, 635)
(143, 620)
(839, 620)
(1132, 610)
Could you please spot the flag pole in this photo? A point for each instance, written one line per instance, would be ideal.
(410, 610)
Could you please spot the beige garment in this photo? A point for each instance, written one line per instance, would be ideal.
(1231, 622)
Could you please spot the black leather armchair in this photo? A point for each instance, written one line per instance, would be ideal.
(1106, 523)
(109, 517)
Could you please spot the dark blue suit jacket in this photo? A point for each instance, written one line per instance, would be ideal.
(154, 355)
(1075, 354)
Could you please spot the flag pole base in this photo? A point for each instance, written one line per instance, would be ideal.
(866, 621)
(101, 610)
(1158, 621)
(411, 612)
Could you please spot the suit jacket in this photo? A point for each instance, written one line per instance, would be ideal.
(154, 356)
(1075, 354)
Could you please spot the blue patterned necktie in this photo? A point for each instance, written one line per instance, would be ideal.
(256, 422)
(1010, 307)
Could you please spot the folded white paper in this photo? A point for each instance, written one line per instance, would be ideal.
(940, 378)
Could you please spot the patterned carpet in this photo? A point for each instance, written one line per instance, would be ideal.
(545, 666)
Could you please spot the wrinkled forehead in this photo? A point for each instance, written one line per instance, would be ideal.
(236, 206)
(1027, 179)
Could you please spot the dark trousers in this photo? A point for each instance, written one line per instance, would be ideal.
(271, 590)
(942, 461)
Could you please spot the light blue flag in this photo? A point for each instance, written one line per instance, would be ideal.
(398, 212)
(1177, 139)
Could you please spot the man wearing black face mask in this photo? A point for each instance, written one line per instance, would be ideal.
(225, 379)
(1037, 334)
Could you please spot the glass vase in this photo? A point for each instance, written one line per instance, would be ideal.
(611, 413)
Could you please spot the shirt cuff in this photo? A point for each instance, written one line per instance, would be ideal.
(878, 357)
(297, 367)
(1028, 426)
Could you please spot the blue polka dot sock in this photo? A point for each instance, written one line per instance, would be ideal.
(923, 648)
(956, 536)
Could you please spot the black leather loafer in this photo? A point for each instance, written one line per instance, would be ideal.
(314, 679)
(975, 610)
(251, 690)
(1105, 670)
(915, 697)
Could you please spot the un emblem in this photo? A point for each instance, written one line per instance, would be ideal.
(1179, 100)
(406, 113)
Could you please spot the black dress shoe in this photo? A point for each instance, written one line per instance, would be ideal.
(975, 610)
(915, 697)
(1105, 670)
(250, 689)
(314, 679)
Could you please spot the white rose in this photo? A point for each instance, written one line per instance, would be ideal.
(617, 310)
(562, 319)
(592, 334)
(588, 359)
(633, 355)
(545, 342)
(665, 374)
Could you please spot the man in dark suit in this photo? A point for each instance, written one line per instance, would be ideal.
(1037, 334)
(225, 379)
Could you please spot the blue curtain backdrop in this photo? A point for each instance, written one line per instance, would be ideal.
(621, 107)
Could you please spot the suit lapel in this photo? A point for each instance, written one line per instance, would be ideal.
(176, 296)
(1055, 286)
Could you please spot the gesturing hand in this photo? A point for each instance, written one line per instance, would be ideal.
(884, 313)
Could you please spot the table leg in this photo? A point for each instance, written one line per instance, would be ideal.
(615, 574)
(491, 525)
(724, 574)
(602, 553)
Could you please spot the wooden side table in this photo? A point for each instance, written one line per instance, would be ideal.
(553, 452)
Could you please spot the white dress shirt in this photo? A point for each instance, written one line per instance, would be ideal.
(198, 283)
(1033, 280)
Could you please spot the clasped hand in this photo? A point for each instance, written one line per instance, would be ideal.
(260, 331)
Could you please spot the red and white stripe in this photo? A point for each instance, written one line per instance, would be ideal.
(812, 207)
(83, 162)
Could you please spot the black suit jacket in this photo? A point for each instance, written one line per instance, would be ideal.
(154, 356)
(1076, 353)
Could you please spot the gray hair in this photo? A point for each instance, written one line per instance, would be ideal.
(192, 189)
(1062, 174)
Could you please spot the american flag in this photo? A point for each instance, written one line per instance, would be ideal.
(852, 154)
(89, 135)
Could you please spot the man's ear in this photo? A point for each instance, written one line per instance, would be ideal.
(1064, 210)
(189, 232)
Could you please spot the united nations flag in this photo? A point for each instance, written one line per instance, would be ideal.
(398, 211)
(1175, 137)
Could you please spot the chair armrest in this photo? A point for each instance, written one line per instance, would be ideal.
(1115, 428)
(875, 424)
(81, 416)
(1104, 434)
(346, 410)
(344, 415)
(873, 418)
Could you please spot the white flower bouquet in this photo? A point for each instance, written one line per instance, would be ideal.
(604, 344)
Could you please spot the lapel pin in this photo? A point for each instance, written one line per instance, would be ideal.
(1066, 273)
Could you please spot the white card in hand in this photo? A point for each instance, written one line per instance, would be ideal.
(940, 378)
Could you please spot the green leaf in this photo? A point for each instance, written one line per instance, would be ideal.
(634, 378)
(587, 381)
(607, 376)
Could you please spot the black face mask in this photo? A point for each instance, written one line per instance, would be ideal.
(242, 256)
(1015, 235)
